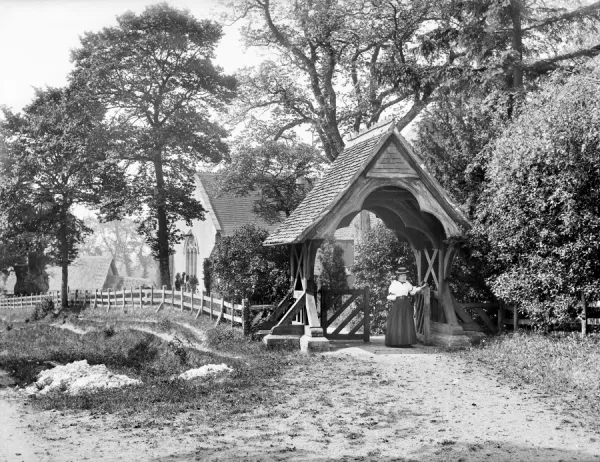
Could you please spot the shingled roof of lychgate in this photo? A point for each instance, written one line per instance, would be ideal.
(349, 165)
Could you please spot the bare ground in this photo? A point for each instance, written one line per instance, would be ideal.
(359, 402)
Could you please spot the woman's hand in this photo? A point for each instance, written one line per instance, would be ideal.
(391, 297)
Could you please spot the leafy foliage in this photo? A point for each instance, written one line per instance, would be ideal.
(375, 264)
(274, 169)
(539, 219)
(57, 157)
(340, 65)
(244, 268)
(155, 73)
(333, 270)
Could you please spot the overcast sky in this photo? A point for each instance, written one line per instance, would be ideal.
(36, 37)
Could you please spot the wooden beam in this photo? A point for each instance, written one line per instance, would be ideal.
(486, 319)
(341, 309)
(445, 299)
(289, 316)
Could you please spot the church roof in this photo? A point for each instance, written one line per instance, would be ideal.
(228, 211)
(338, 180)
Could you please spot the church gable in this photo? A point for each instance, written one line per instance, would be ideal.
(391, 164)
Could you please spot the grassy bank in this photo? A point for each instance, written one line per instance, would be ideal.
(559, 364)
(27, 348)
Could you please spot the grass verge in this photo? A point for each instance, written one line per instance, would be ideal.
(560, 364)
(29, 348)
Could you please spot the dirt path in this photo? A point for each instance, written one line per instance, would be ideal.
(356, 403)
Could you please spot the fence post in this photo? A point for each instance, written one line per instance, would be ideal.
(108, 307)
(246, 316)
(172, 297)
(181, 301)
(141, 298)
(211, 306)
(96, 299)
(501, 314)
(367, 316)
(515, 319)
(151, 296)
(232, 311)
(583, 316)
(131, 296)
(192, 297)
(201, 303)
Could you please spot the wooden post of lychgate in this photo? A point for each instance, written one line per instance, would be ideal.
(427, 315)
(583, 316)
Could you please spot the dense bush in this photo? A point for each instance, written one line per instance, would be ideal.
(538, 223)
(244, 268)
(375, 264)
(333, 270)
(42, 309)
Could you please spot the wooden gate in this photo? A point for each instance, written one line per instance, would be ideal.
(423, 315)
(344, 313)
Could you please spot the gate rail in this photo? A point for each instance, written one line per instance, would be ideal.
(330, 299)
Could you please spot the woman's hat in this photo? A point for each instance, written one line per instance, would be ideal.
(402, 270)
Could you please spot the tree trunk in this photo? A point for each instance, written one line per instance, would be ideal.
(163, 225)
(517, 45)
(64, 261)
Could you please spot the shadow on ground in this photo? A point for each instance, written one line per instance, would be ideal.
(493, 451)
(377, 347)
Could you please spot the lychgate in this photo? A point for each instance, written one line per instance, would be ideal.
(379, 172)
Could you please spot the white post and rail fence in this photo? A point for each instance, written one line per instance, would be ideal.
(241, 315)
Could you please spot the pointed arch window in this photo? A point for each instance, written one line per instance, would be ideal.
(191, 256)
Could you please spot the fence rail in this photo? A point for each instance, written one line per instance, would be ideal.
(131, 298)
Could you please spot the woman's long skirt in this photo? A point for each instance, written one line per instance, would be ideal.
(400, 330)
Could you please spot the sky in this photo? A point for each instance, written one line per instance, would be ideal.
(36, 37)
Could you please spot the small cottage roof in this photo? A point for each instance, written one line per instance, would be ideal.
(358, 159)
(85, 273)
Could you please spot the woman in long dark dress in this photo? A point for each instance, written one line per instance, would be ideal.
(400, 330)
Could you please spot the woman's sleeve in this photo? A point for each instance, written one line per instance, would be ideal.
(413, 290)
(390, 288)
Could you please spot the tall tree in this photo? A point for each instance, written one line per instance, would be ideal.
(155, 74)
(341, 64)
(56, 160)
(511, 46)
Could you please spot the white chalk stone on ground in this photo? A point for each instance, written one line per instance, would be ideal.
(203, 371)
(78, 376)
